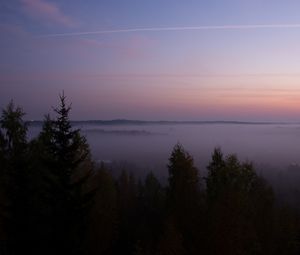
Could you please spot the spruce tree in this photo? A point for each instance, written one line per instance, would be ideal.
(184, 197)
(183, 177)
(15, 178)
(213, 180)
(103, 220)
(67, 168)
(237, 201)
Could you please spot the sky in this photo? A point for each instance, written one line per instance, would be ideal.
(153, 60)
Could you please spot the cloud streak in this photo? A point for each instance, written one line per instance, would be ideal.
(183, 28)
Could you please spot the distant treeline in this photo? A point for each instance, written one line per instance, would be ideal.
(55, 200)
(117, 122)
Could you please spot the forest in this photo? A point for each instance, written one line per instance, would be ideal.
(55, 200)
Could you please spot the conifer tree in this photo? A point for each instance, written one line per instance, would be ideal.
(151, 212)
(234, 192)
(127, 202)
(183, 177)
(67, 167)
(171, 242)
(103, 220)
(14, 129)
(184, 197)
(15, 177)
(214, 168)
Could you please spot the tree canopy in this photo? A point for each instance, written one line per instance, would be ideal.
(55, 200)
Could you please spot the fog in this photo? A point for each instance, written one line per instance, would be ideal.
(147, 146)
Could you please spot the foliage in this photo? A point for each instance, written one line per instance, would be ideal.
(55, 200)
(67, 167)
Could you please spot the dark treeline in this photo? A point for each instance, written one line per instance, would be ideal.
(55, 200)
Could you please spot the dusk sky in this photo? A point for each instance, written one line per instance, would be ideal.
(153, 60)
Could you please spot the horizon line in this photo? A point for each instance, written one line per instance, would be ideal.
(179, 121)
(178, 28)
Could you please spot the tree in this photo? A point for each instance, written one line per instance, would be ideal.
(234, 192)
(227, 204)
(214, 177)
(151, 212)
(66, 163)
(171, 242)
(15, 178)
(14, 129)
(153, 195)
(3, 147)
(184, 197)
(127, 208)
(183, 178)
(102, 227)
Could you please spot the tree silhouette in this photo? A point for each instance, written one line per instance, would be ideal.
(171, 242)
(54, 200)
(67, 167)
(183, 178)
(184, 196)
(15, 177)
(127, 203)
(234, 192)
(151, 213)
(103, 217)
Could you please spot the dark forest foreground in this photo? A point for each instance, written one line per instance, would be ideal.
(55, 200)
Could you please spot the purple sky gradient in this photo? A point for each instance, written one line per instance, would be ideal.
(238, 60)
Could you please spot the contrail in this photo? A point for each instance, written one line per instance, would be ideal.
(160, 29)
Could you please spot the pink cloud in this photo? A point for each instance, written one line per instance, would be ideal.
(47, 12)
